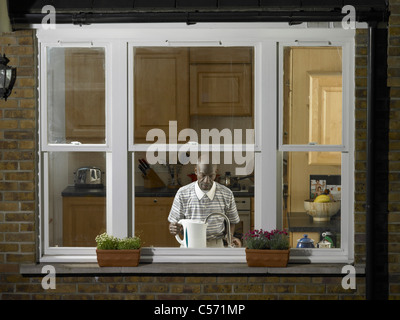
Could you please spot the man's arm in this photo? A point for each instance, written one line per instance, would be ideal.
(175, 215)
(235, 241)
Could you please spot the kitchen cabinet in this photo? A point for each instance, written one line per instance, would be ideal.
(83, 219)
(161, 90)
(151, 224)
(221, 81)
(85, 110)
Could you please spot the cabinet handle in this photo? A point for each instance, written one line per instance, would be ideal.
(155, 200)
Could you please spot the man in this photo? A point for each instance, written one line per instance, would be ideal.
(199, 199)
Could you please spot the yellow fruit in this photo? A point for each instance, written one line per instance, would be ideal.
(322, 198)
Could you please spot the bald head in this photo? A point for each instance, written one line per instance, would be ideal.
(206, 172)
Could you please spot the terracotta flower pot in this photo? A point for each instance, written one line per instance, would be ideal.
(267, 258)
(118, 258)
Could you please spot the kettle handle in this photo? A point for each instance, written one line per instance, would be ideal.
(177, 237)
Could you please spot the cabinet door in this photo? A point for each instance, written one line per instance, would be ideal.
(151, 222)
(83, 219)
(221, 81)
(85, 112)
(221, 89)
(161, 90)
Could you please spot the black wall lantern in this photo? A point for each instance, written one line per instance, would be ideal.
(7, 77)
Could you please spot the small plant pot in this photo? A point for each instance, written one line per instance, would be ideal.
(267, 258)
(118, 258)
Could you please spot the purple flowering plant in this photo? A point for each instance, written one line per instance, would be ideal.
(264, 240)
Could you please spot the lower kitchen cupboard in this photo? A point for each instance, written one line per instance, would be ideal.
(83, 219)
(151, 221)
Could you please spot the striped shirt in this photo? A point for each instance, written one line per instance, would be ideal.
(188, 204)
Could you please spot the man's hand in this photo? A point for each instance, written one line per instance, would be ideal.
(236, 242)
(175, 228)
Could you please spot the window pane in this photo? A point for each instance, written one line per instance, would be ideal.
(77, 198)
(198, 94)
(312, 110)
(76, 95)
(303, 211)
(198, 89)
(155, 189)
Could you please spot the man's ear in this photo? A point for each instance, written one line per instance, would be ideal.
(195, 169)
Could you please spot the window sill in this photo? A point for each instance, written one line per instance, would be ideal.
(238, 269)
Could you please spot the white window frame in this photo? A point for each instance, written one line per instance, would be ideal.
(266, 39)
(346, 149)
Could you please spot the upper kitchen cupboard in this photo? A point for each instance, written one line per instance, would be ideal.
(198, 87)
(161, 79)
(85, 115)
(76, 107)
(221, 81)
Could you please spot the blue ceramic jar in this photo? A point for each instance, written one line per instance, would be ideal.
(305, 242)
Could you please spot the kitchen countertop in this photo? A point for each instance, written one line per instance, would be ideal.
(168, 192)
(302, 222)
(72, 191)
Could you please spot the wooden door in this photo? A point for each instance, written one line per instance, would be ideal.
(303, 116)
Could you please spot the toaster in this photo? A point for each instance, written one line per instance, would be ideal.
(88, 177)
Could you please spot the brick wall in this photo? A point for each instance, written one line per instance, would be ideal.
(18, 155)
(360, 137)
(18, 203)
(179, 288)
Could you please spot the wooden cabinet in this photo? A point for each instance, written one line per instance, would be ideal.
(151, 224)
(85, 110)
(221, 81)
(83, 219)
(161, 90)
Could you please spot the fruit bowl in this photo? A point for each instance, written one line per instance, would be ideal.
(321, 211)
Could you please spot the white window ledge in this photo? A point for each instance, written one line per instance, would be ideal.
(238, 269)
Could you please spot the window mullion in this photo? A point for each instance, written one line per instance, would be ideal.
(117, 160)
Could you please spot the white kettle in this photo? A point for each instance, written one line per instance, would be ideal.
(194, 234)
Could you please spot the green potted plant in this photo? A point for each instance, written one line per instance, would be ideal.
(267, 248)
(118, 252)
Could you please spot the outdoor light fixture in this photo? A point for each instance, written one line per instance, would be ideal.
(7, 77)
